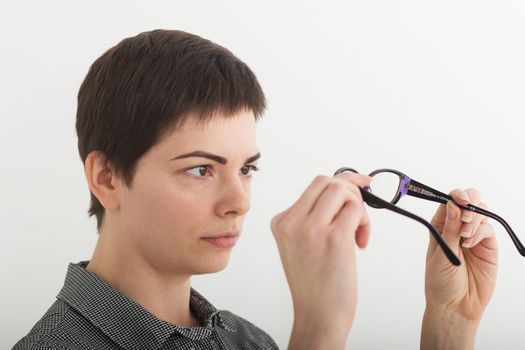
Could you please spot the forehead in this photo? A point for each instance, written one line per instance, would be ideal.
(221, 134)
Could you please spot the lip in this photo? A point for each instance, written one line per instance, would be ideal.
(223, 240)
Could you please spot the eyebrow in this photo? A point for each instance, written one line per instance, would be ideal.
(214, 157)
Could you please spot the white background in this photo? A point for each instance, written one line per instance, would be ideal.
(432, 88)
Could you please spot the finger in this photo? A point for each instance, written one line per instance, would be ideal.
(484, 219)
(361, 181)
(473, 238)
(460, 196)
(438, 221)
(331, 201)
(357, 191)
(362, 235)
(474, 197)
(277, 219)
(349, 221)
(354, 178)
(307, 200)
(484, 235)
(349, 185)
(469, 229)
(451, 230)
(439, 218)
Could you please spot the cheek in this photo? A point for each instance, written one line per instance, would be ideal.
(168, 208)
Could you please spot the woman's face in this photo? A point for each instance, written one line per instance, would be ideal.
(186, 205)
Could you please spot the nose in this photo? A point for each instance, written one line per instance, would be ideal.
(234, 197)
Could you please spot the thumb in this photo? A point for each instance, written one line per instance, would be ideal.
(452, 228)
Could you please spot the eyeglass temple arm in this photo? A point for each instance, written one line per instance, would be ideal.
(417, 189)
(379, 203)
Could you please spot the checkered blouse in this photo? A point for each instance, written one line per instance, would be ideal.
(90, 314)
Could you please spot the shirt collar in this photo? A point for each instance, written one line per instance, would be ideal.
(126, 322)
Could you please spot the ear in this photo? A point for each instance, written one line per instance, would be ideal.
(102, 180)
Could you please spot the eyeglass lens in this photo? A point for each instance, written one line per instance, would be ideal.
(385, 185)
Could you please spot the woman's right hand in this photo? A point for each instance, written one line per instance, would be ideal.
(316, 238)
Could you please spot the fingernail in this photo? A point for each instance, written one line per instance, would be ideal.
(466, 234)
(451, 211)
(466, 218)
(464, 196)
(467, 244)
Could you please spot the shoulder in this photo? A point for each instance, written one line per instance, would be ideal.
(35, 339)
(58, 329)
(251, 336)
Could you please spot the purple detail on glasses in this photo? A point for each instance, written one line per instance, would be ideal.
(405, 181)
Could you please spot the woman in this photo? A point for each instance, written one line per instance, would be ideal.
(166, 132)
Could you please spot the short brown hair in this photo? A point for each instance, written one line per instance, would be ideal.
(151, 83)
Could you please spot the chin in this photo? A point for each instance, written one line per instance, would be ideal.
(211, 264)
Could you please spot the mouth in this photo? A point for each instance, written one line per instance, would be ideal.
(222, 240)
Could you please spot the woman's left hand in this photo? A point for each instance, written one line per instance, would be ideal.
(456, 296)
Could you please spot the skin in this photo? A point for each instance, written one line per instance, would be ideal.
(151, 240)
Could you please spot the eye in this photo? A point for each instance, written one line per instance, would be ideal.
(248, 170)
(199, 171)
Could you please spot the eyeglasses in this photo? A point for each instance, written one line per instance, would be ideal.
(388, 186)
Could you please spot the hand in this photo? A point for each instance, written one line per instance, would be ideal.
(457, 296)
(316, 238)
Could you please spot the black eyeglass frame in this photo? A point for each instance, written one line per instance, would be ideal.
(379, 203)
(411, 187)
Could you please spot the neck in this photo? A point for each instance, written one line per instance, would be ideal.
(167, 297)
